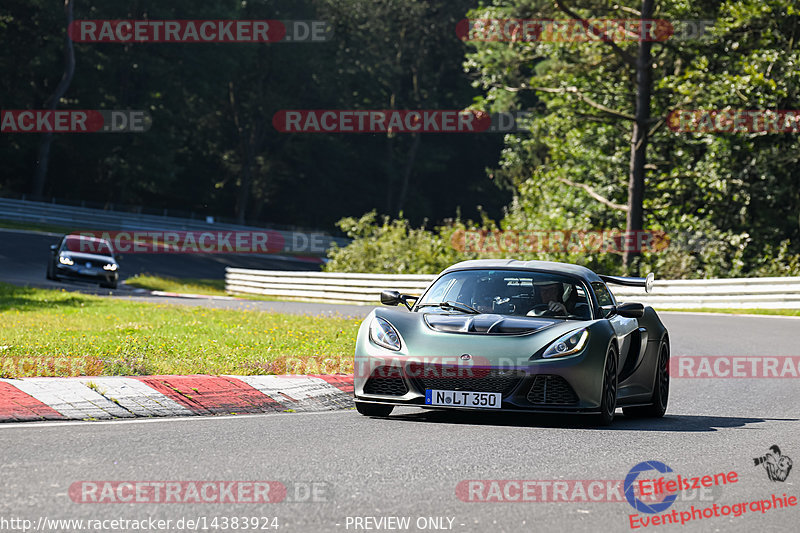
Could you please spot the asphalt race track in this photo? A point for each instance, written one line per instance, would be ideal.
(24, 255)
(410, 464)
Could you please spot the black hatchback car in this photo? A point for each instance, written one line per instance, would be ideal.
(83, 258)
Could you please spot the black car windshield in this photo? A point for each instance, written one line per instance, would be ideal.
(509, 292)
(89, 245)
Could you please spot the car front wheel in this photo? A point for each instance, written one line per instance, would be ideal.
(608, 404)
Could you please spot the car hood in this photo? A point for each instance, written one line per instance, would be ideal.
(489, 336)
(488, 324)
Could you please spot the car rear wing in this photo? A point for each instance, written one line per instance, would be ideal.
(646, 282)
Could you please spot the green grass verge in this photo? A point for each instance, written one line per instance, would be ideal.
(214, 287)
(34, 226)
(206, 287)
(776, 312)
(59, 333)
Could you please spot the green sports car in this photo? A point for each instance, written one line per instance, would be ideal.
(507, 335)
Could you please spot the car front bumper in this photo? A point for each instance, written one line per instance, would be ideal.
(78, 273)
(573, 384)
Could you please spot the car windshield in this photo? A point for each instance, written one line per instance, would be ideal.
(88, 245)
(509, 292)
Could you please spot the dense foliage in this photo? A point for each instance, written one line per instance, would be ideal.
(213, 149)
(728, 201)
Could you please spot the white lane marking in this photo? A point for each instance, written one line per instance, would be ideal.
(137, 397)
(70, 397)
(33, 425)
(697, 313)
(193, 296)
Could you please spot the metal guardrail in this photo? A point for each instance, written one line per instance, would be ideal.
(86, 218)
(731, 293)
(331, 287)
(734, 293)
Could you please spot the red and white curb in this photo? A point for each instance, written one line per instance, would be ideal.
(94, 398)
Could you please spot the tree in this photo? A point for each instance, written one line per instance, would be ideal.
(40, 174)
(639, 137)
(569, 172)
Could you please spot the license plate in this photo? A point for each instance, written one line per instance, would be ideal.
(458, 398)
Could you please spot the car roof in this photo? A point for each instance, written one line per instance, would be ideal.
(86, 238)
(514, 264)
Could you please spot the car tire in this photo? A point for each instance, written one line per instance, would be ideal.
(373, 409)
(660, 389)
(49, 274)
(608, 402)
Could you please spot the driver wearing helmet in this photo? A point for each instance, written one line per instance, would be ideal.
(551, 295)
(555, 299)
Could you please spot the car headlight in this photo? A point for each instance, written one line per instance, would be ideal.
(383, 334)
(568, 344)
(65, 260)
(111, 266)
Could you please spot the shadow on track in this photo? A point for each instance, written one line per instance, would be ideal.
(676, 423)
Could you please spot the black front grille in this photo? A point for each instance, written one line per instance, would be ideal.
(479, 380)
(387, 381)
(551, 390)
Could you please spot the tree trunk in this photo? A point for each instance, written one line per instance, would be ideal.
(410, 160)
(249, 144)
(243, 196)
(635, 219)
(43, 157)
(412, 153)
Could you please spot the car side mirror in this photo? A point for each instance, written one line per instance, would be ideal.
(607, 310)
(630, 310)
(389, 297)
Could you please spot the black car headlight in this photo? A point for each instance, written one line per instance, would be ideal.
(568, 344)
(382, 333)
(111, 266)
(65, 260)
